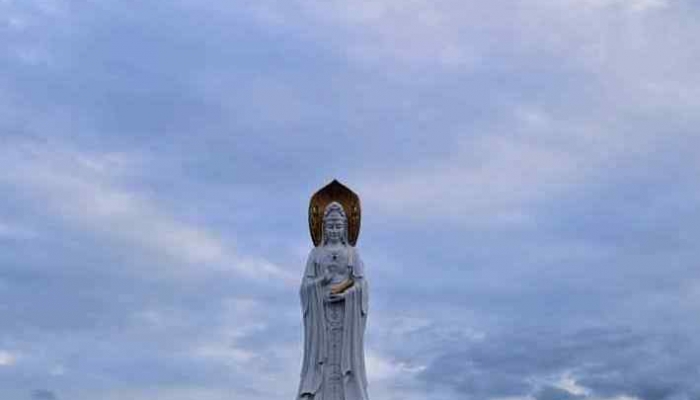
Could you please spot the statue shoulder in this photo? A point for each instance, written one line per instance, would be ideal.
(311, 261)
(353, 253)
(355, 262)
(314, 254)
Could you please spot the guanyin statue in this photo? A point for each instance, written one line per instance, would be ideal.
(334, 300)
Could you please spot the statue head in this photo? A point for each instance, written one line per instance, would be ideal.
(335, 224)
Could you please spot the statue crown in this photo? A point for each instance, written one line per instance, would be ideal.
(334, 208)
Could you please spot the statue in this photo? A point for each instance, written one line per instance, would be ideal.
(334, 300)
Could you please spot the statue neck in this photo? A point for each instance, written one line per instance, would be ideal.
(338, 243)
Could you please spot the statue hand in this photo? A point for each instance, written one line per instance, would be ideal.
(343, 286)
(326, 279)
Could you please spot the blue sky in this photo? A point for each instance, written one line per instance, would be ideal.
(528, 171)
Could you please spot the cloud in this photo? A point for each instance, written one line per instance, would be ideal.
(86, 191)
(459, 36)
(43, 394)
(380, 368)
(57, 370)
(7, 358)
(242, 318)
(633, 5)
(571, 90)
(591, 364)
(535, 162)
(502, 177)
(13, 231)
(567, 383)
(555, 393)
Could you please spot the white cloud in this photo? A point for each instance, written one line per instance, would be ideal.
(568, 383)
(509, 170)
(227, 344)
(403, 325)
(494, 178)
(514, 398)
(225, 353)
(7, 358)
(454, 35)
(630, 66)
(380, 368)
(89, 191)
(241, 317)
(57, 370)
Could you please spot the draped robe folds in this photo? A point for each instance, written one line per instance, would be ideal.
(315, 333)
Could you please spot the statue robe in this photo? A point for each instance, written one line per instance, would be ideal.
(315, 332)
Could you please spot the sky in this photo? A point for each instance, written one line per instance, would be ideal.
(527, 169)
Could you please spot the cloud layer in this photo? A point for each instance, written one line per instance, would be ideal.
(527, 170)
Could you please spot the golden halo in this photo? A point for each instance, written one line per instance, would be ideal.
(334, 191)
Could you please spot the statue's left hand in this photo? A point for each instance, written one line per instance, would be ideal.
(342, 287)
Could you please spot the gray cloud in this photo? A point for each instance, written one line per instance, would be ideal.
(555, 393)
(43, 394)
(601, 362)
(527, 171)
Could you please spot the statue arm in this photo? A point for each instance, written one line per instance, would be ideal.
(311, 282)
(361, 281)
(343, 286)
(358, 288)
(307, 283)
(364, 296)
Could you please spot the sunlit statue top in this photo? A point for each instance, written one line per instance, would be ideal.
(334, 300)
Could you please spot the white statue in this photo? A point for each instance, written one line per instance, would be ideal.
(334, 304)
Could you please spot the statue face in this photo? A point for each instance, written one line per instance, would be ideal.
(334, 228)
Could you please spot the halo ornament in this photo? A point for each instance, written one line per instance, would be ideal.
(335, 191)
